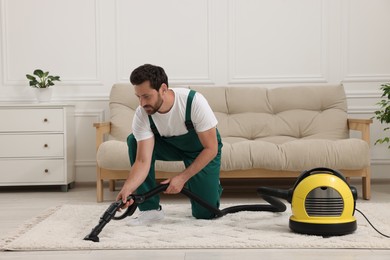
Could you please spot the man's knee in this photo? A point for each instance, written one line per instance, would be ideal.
(203, 214)
(200, 212)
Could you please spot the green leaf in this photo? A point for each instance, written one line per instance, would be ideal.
(383, 113)
(30, 77)
(54, 78)
(33, 82)
(38, 72)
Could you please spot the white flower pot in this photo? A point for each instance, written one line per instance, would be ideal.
(43, 94)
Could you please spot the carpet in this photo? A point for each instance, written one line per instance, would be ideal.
(65, 226)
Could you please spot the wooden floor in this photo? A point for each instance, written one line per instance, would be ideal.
(20, 204)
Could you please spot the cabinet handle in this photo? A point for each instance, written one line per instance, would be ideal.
(45, 120)
(46, 170)
(45, 145)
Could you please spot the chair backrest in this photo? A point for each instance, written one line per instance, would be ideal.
(122, 105)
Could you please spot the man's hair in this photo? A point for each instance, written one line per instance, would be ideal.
(147, 72)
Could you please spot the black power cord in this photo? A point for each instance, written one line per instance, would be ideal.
(372, 224)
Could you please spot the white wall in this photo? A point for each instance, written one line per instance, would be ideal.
(92, 44)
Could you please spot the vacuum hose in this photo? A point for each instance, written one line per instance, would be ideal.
(275, 205)
(278, 193)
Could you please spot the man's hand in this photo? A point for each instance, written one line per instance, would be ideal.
(176, 184)
(122, 195)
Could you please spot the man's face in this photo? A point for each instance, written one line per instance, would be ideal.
(149, 98)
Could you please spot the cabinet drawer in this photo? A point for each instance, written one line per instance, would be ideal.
(27, 119)
(27, 172)
(30, 145)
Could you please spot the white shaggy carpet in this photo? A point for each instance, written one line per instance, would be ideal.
(64, 227)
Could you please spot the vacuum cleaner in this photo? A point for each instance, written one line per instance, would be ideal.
(322, 203)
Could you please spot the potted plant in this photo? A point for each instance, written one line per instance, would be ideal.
(383, 114)
(41, 81)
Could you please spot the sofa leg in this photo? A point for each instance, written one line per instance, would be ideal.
(366, 183)
(111, 185)
(366, 188)
(99, 190)
(99, 186)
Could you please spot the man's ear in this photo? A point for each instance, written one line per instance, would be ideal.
(164, 87)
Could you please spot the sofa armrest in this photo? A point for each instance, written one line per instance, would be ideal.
(362, 125)
(102, 128)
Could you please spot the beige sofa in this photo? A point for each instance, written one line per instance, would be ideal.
(266, 133)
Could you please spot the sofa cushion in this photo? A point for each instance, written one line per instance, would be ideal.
(294, 155)
(257, 112)
(113, 155)
(241, 154)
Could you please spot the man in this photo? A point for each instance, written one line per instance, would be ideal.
(171, 125)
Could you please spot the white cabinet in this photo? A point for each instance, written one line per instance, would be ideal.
(37, 145)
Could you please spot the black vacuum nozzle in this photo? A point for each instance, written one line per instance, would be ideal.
(91, 237)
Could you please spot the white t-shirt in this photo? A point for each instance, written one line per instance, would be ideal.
(172, 123)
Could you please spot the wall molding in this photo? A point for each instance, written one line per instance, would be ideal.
(362, 110)
(97, 113)
(59, 98)
(366, 78)
(3, 62)
(363, 94)
(322, 77)
(345, 46)
(85, 163)
(208, 79)
(380, 161)
(8, 82)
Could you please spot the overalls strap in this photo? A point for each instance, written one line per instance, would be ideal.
(153, 126)
(188, 121)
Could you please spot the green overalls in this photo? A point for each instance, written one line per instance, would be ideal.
(184, 148)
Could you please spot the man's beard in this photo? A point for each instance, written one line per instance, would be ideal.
(150, 110)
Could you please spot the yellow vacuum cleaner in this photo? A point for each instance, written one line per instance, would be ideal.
(322, 203)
